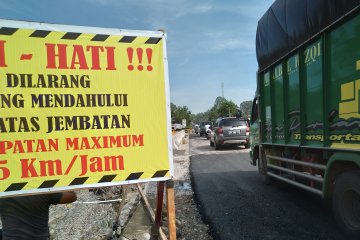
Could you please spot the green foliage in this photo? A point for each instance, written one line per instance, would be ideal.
(245, 108)
(227, 109)
(200, 117)
(178, 113)
(221, 108)
(224, 108)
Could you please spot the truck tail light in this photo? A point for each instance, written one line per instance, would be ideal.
(247, 131)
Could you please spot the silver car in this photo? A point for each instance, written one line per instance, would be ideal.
(230, 130)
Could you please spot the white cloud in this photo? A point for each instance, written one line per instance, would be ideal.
(248, 9)
(160, 13)
(104, 2)
(230, 40)
(233, 44)
(202, 8)
(170, 9)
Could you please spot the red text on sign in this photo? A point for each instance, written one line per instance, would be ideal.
(2, 53)
(101, 164)
(32, 167)
(139, 53)
(82, 57)
(4, 171)
(46, 168)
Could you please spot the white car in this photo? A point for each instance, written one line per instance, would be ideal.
(205, 129)
(196, 128)
(208, 131)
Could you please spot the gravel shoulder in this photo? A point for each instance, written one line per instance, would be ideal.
(189, 222)
(90, 218)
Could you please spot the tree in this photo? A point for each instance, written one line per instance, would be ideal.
(173, 109)
(228, 109)
(219, 101)
(222, 108)
(245, 108)
(200, 117)
(178, 113)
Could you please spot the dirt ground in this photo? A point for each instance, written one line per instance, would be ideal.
(189, 223)
(89, 218)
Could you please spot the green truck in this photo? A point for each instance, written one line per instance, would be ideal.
(305, 123)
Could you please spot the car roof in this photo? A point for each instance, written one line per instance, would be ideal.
(241, 119)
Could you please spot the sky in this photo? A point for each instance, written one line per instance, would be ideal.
(210, 43)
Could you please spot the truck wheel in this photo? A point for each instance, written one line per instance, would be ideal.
(346, 202)
(262, 168)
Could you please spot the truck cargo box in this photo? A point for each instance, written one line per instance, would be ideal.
(288, 24)
(311, 97)
(305, 123)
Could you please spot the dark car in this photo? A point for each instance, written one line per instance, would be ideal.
(205, 128)
(230, 130)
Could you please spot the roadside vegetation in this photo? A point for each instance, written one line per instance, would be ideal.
(221, 108)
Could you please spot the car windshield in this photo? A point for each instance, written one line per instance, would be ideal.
(233, 122)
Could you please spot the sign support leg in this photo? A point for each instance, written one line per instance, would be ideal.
(159, 205)
(170, 203)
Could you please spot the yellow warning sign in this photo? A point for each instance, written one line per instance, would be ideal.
(81, 107)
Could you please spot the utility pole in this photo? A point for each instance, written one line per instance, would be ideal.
(222, 89)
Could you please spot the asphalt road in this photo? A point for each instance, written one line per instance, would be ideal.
(237, 205)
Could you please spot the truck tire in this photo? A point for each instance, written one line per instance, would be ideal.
(346, 202)
(262, 168)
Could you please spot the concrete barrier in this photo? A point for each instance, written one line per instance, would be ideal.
(177, 139)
